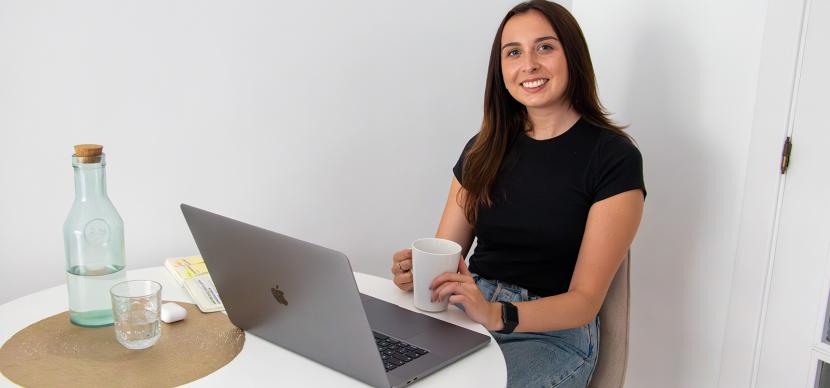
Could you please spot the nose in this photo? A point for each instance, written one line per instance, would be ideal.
(531, 63)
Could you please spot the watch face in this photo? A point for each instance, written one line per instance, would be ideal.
(509, 317)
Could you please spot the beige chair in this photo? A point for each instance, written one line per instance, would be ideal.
(613, 332)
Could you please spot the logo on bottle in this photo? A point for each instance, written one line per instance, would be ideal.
(97, 231)
(278, 295)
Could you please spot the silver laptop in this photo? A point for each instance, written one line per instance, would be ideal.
(303, 297)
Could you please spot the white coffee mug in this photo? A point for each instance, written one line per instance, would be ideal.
(430, 258)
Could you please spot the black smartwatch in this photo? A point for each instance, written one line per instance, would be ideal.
(509, 317)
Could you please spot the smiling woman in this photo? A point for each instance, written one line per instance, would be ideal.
(552, 190)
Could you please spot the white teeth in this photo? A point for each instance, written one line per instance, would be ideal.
(534, 84)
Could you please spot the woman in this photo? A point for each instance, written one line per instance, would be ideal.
(554, 192)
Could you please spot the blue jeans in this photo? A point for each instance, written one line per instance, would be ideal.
(552, 359)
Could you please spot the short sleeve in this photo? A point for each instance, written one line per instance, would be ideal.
(618, 167)
(459, 165)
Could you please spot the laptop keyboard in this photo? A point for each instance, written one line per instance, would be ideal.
(395, 352)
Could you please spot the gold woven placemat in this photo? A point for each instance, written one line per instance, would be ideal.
(55, 353)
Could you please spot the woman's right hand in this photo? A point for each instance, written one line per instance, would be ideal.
(402, 269)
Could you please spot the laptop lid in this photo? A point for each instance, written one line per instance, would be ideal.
(298, 295)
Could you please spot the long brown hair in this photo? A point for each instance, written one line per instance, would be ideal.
(504, 117)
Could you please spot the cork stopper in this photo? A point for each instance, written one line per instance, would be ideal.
(84, 150)
(89, 153)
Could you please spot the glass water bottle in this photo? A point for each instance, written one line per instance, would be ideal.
(93, 236)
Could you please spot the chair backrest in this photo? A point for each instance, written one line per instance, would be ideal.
(613, 332)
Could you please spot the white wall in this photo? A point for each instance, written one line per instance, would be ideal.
(683, 74)
(336, 122)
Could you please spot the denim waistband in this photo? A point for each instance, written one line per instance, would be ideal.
(497, 290)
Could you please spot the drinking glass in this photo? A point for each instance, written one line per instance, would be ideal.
(136, 305)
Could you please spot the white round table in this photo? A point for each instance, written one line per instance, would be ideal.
(263, 363)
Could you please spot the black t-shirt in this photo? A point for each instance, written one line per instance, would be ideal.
(541, 196)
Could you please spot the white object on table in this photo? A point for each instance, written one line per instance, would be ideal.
(261, 362)
(430, 258)
(171, 312)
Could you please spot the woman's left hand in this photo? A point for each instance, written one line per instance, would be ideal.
(461, 288)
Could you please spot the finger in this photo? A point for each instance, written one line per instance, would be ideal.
(468, 290)
(403, 254)
(462, 267)
(405, 277)
(456, 299)
(401, 266)
(395, 259)
(450, 277)
(449, 289)
(404, 286)
(443, 291)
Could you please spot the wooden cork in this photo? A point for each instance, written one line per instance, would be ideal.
(85, 150)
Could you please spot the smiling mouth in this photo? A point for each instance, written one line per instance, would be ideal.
(532, 84)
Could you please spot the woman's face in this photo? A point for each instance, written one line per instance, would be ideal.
(533, 64)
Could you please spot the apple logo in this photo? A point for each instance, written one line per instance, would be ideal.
(278, 295)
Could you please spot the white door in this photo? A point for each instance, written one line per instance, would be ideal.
(792, 345)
